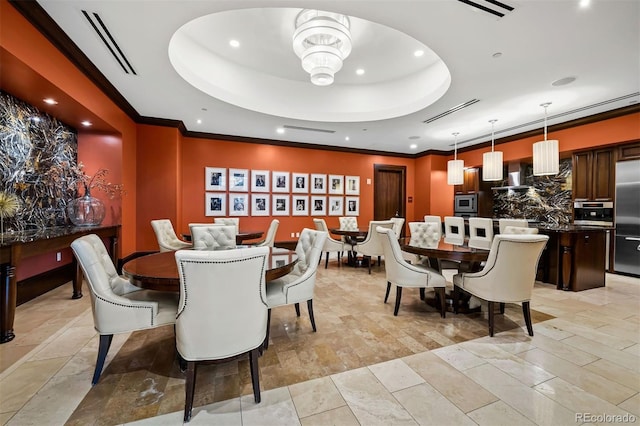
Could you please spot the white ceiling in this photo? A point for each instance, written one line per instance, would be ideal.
(537, 43)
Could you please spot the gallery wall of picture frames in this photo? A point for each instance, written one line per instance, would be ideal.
(243, 192)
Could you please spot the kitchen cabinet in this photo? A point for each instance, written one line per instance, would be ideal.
(471, 182)
(594, 174)
(629, 152)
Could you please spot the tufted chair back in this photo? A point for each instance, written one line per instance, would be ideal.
(398, 225)
(308, 250)
(454, 230)
(372, 245)
(349, 223)
(166, 236)
(213, 237)
(271, 234)
(503, 223)
(480, 232)
(330, 244)
(228, 221)
(117, 305)
(519, 230)
(425, 234)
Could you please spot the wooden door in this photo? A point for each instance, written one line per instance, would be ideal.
(389, 187)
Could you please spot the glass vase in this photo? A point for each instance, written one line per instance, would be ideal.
(86, 210)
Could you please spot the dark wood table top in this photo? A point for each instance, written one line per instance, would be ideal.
(241, 236)
(444, 250)
(362, 232)
(159, 271)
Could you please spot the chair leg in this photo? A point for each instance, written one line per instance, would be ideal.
(326, 262)
(398, 297)
(502, 308)
(386, 295)
(443, 302)
(490, 308)
(527, 317)
(311, 318)
(190, 387)
(456, 298)
(103, 348)
(265, 345)
(297, 305)
(255, 374)
(422, 293)
(369, 263)
(379, 262)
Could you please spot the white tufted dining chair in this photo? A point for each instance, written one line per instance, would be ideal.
(519, 230)
(454, 230)
(503, 223)
(403, 274)
(398, 225)
(423, 234)
(330, 245)
(372, 245)
(235, 221)
(434, 219)
(271, 235)
(118, 306)
(222, 311)
(480, 232)
(166, 236)
(213, 236)
(298, 285)
(508, 275)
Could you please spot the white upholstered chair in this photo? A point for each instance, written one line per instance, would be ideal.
(372, 244)
(454, 230)
(508, 275)
(480, 232)
(330, 245)
(166, 236)
(503, 223)
(235, 221)
(298, 285)
(403, 274)
(118, 306)
(222, 311)
(434, 219)
(212, 236)
(519, 230)
(423, 234)
(270, 238)
(398, 225)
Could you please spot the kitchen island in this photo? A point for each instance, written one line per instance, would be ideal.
(575, 256)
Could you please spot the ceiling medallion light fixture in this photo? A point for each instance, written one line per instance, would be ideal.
(322, 40)
(455, 167)
(546, 153)
(492, 161)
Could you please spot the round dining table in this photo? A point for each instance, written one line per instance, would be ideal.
(352, 237)
(159, 271)
(470, 258)
(241, 236)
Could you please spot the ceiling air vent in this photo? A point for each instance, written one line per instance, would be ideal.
(493, 7)
(105, 35)
(451, 110)
(308, 129)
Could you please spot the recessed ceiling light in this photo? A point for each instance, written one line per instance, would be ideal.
(280, 130)
(359, 71)
(414, 137)
(413, 146)
(564, 81)
(418, 53)
(199, 121)
(496, 55)
(86, 123)
(346, 138)
(50, 101)
(234, 43)
(203, 109)
(585, 3)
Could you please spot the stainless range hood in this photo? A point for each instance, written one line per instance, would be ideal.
(515, 177)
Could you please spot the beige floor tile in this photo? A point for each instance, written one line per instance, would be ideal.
(632, 405)
(275, 409)
(395, 375)
(430, 407)
(587, 332)
(315, 396)
(458, 357)
(633, 350)
(451, 383)
(370, 402)
(533, 405)
(4, 417)
(616, 373)
(605, 351)
(629, 332)
(586, 380)
(68, 343)
(551, 331)
(342, 416)
(562, 350)
(499, 414)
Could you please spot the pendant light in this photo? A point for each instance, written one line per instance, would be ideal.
(492, 161)
(546, 153)
(455, 167)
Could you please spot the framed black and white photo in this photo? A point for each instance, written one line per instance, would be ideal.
(352, 206)
(336, 206)
(300, 205)
(215, 204)
(318, 205)
(215, 179)
(239, 180)
(336, 184)
(300, 183)
(280, 205)
(238, 204)
(280, 182)
(352, 185)
(318, 184)
(260, 181)
(260, 205)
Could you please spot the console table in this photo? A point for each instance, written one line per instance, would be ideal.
(18, 246)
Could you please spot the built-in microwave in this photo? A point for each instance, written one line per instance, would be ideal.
(465, 203)
(593, 213)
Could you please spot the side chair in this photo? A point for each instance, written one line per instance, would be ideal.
(372, 246)
(330, 244)
(166, 236)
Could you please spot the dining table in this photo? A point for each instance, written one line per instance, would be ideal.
(159, 271)
(241, 236)
(352, 237)
(470, 258)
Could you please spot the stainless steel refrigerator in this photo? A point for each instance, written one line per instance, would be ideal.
(627, 247)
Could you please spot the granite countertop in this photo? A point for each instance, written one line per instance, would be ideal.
(572, 228)
(29, 235)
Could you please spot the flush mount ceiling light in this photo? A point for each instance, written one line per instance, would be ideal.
(492, 161)
(455, 167)
(322, 40)
(546, 153)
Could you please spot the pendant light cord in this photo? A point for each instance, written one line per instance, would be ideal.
(455, 145)
(492, 135)
(545, 105)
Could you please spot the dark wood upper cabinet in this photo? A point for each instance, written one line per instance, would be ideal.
(471, 182)
(594, 174)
